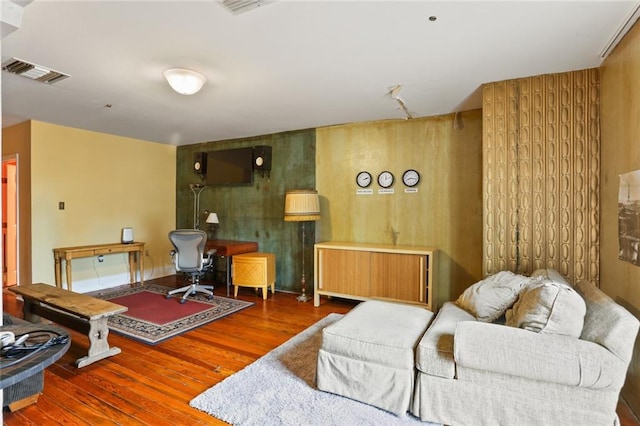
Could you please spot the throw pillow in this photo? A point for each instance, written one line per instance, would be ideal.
(551, 275)
(548, 307)
(488, 299)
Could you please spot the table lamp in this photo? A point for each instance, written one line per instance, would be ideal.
(213, 222)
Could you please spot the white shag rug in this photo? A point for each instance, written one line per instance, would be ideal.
(279, 389)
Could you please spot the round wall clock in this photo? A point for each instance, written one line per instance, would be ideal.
(411, 178)
(385, 179)
(363, 179)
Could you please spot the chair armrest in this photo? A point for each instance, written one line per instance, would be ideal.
(536, 356)
(207, 259)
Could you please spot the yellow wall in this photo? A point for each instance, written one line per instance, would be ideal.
(107, 182)
(16, 141)
(620, 121)
(446, 213)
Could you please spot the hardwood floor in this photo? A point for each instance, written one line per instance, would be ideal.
(152, 385)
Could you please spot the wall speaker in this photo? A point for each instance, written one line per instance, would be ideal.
(200, 163)
(127, 235)
(262, 157)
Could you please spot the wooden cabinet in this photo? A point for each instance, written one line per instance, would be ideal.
(367, 271)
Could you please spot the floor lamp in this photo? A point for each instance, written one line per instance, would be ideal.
(302, 205)
(197, 189)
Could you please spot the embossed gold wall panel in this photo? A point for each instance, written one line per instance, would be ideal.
(541, 165)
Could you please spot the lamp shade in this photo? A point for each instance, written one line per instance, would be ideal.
(212, 218)
(184, 81)
(301, 205)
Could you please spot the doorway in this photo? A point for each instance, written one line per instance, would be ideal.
(9, 221)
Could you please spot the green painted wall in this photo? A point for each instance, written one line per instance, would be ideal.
(256, 212)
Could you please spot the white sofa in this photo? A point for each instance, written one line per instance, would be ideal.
(472, 372)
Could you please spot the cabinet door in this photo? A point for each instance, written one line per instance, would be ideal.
(252, 271)
(398, 276)
(344, 271)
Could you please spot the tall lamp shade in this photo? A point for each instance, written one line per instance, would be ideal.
(301, 205)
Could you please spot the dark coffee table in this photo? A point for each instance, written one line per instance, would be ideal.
(22, 379)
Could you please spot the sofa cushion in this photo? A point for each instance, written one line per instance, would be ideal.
(434, 354)
(548, 307)
(607, 323)
(488, 299)
(369, 355)
(379, 332)
(551, 275)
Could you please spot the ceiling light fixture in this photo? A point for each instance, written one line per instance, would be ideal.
(184, 81)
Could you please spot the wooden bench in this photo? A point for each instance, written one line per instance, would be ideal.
(77, 311)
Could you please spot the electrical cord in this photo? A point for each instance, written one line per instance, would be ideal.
(21, 352)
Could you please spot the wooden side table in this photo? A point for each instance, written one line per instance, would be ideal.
(69, 253)
(254, 270)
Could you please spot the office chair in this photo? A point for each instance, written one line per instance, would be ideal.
(188, 256)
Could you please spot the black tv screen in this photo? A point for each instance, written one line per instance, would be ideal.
(230, 167)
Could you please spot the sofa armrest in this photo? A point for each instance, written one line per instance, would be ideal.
(544, 357)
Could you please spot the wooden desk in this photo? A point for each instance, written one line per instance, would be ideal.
(68, 253)
(226, 249)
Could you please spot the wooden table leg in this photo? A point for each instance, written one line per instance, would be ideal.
(228, 272)
(132, 267)
(98, 344)
(58, 272)
(28, 312)
(141, 263)
(68, 265)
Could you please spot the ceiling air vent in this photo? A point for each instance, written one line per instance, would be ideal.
(240, 6)
(32, 71)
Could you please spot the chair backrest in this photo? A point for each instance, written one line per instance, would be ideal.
(189, 245)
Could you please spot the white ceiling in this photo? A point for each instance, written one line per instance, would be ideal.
(287, 65)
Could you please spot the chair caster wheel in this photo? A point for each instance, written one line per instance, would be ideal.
(210, 297)
(183, 301)
(168, 296)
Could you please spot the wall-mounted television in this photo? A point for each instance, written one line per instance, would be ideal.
(230, 166)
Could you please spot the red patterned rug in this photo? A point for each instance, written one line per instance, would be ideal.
(152, 317)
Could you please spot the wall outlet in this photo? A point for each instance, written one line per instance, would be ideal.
(100, 258)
